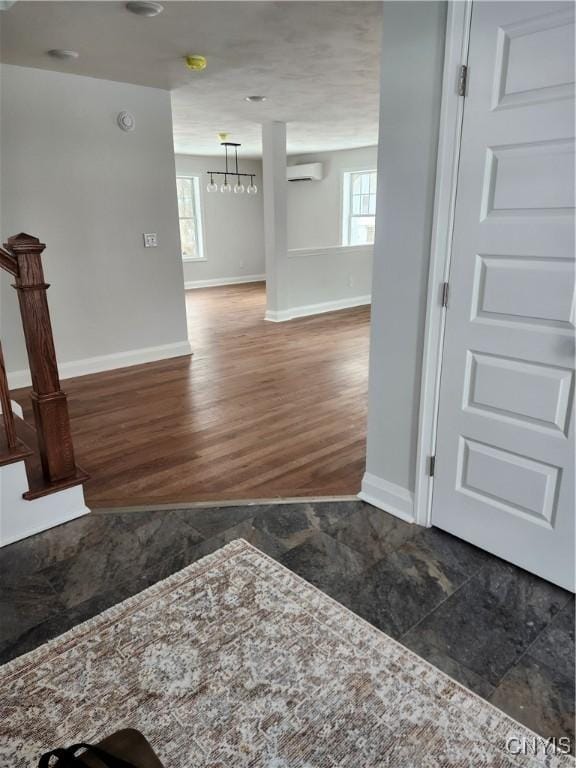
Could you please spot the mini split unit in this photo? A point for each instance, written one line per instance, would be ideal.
(308, 172)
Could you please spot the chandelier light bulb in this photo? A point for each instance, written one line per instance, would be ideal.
(226, 187)
(239, 188)
(252, 189)
(212, 186)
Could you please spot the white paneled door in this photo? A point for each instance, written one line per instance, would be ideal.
(505, 443)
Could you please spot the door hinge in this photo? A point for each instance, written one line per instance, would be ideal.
(462, 80)
(445, 287)
(431, 466)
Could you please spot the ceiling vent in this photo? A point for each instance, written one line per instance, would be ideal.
(308, 172)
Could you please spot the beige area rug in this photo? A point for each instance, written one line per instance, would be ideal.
(235, 662)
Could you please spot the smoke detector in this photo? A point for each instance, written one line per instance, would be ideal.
(63, 54)
(195, 62)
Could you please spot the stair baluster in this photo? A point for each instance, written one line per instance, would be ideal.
(6, 405)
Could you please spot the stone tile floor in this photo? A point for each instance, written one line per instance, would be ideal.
(503, 633)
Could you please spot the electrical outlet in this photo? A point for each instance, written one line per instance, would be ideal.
(241, 263)
(350, 281)
(150, 240)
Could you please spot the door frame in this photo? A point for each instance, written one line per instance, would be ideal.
(449, 141)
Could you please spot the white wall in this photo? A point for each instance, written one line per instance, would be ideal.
(412, 58)
(327, 279)
(88, 190)
(320, 274)
(233, 224)
(315, 207)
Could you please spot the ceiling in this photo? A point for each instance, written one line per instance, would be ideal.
(316, 62)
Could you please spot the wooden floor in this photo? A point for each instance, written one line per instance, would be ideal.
(260, 410)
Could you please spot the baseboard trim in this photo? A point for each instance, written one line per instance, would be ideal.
(191, 285)
(101, 363)
(388, 496)
(275, 317)
(316, 309)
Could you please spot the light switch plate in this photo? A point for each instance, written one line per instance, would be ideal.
(150, 240)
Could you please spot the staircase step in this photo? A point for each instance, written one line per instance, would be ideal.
(27, 451)
(10, 455)
(39, 487)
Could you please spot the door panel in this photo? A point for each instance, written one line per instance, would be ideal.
(529, 178)
(505, 444)
(522, 289)
(530, 394)
(545, 38)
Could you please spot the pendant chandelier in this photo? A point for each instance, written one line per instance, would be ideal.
(231, 174)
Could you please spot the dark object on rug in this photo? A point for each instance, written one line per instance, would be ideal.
(127, 748)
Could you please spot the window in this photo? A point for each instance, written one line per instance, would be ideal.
(359, 208)
(188, 188)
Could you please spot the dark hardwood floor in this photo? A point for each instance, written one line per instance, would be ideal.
(261, 410)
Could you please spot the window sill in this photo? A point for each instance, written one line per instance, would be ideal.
(194, 258)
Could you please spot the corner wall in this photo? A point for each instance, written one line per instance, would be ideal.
(233, 226)
(88, 190)
(411, 89)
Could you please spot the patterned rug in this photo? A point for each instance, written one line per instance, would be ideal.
(235, 662)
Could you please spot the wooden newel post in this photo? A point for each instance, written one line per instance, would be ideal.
(48, 400)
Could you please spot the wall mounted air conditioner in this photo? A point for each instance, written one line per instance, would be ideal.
(308, 172)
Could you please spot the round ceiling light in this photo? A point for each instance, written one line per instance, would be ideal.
(63, 54)
(143, 8)
(255, 99)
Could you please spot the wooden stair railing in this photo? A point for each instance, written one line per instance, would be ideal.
(22, 259)
(6, 405)
(11, 448)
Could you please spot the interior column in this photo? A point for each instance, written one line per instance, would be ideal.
(275, 216)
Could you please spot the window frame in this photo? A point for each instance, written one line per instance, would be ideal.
(346, 206)
(198, 212)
